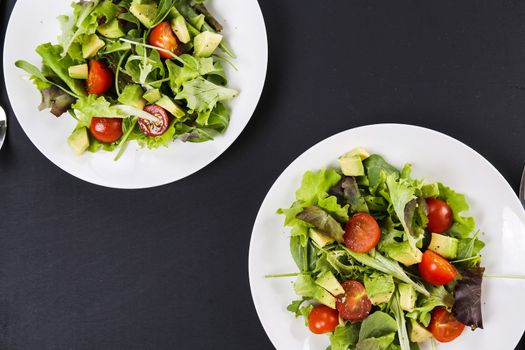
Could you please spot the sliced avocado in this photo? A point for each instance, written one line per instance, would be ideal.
(78, 72)
(205, 43)
(405, 253)
(168, 104)
(430, 190)
(351, 165)
(320, 238)
(178, 24)
(328, 281)
(111, 29)
(132, 96)
(379, 288)
(359, 151)
(407, 296)
(79, 140)
(418, 333)
(152, 95)
(145, 13)
(445, 246)
(91, 45)
(322, 296)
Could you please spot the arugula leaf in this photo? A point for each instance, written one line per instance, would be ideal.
(402, 334)
(201, 95)
(386, 265)
(439, 296)
(467, 306)
(469, 251)
(295, 306)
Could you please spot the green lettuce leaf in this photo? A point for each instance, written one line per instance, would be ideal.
(463, 225)
(52, 57)
(316, 184)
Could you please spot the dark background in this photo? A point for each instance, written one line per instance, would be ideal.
(86, 267)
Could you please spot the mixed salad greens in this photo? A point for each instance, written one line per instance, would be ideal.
(144, 70)
(386, 261)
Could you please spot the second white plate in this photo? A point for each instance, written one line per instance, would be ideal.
(138, 168)
(435, 157)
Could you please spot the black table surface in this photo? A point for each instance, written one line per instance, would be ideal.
(87, 267)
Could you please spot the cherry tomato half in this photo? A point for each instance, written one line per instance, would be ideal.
(361, 233)
(162, 36)
(106, 129)
(322, 319)
(444, 326)
(100, 78)
(157, 128)
(435, 269)
(439, 215)
(353, 305)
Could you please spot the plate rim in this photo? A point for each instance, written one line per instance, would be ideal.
(104, 183)
(251, 264)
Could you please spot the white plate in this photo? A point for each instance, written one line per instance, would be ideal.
(435, 157)
(34, 22)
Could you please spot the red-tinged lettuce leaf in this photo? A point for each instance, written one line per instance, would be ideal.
(347, 192)
(56, 99)
(467, 307)
(323, 221)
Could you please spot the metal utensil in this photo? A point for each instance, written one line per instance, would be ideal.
(522, 188)
(3, 126)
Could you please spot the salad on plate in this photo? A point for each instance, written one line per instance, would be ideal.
(144, 70)
(386, 261)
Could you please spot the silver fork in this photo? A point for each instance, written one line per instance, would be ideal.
(3, 126)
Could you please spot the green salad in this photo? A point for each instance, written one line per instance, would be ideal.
(144, 70)
(386, 261)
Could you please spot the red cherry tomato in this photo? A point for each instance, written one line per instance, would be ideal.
(322, 319)
(157, 128)
(100, 78)
(362, 233)
(444, 326)
(435, 269)
(162, 36)
(439, 215)
(106, 129)
(354, 304)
